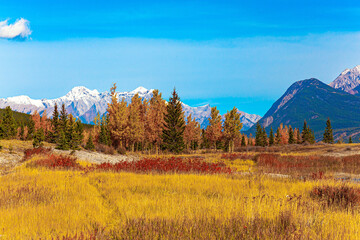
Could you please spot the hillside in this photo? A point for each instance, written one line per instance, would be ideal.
(314, 101)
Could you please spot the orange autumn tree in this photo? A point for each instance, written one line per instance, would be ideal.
(135, 130)
(118, 117)
(192, 133)
(155, 120)
(214, 130)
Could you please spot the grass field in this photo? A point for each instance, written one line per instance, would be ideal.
(37, 202)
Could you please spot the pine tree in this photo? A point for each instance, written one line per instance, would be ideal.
(258, 135)
(291, 136)
(243, 141)
(271, 137)
(104, 136)
(350, 140)
(173, 132)
(39, 137)
(232, 127)
(278, 137)
(264, 138)
(63, 119)
(213, 130)
(305, 134)
(62, 143)
(328, 134)
(55, 126)
(90, 143)
(8, 124)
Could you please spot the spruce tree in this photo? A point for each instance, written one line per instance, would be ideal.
(243, 142)
(278, 136)
(271, 137)
(104, 135)
(298, 137)
(328, 134)
(305, 134)
(291, 136)
(90, 143)
(39, 137)
(264, 138)
(62, 141)
(8, 129)
(173, 139)
(350, 140)
(258, 135)
(55, 125)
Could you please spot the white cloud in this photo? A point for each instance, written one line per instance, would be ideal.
(19, 29)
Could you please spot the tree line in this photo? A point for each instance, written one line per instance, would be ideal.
(151, 125)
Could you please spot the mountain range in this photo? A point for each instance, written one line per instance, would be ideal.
(315, 101)
(84, 104)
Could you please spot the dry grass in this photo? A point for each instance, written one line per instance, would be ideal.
(39, 203)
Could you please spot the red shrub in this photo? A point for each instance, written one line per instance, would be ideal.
(28, 153)
(173, 165)
(57, 161)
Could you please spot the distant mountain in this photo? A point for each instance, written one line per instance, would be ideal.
(314, 101)
(348, 81)
(84, 104)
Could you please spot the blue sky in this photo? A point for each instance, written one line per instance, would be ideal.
(226, 53)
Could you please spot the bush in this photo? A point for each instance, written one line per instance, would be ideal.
(105, 149)
(28, 153)
(343, 196)
(53, 161)
(172, 165)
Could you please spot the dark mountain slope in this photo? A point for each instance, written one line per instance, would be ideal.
(314, 101)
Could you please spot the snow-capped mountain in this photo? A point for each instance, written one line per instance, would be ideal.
(84, 103)
(348, 80)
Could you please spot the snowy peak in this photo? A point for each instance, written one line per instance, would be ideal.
(348, 80)
(84, 103)
(81, 92)
(139, 90)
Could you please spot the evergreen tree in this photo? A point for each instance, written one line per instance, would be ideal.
(90, 143)
(77, 135)
(39, 137)
(55, 125)
(271, 137)
(264, 138)
(328, 134)
(63, 120)
(104, 136)
(298, 137)
(258, 135)
(8, 124)
(62, 141)
(173, 139)
(232, 127)
(278, 137)
(243, 142)
(306, 133)
(291, 136)
(350, 140)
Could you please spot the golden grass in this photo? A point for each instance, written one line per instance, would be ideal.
(38, 203)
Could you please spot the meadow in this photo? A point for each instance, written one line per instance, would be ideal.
(247, 195)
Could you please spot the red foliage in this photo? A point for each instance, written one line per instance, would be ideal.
(58, 161)
(36, 151)
(172, 165)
